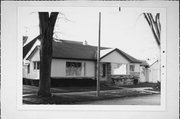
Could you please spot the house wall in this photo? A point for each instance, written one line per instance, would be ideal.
(136, 67)
(144, 74)
(115, 57)
(154, 73)
(34, 73)
(58, 68)
(136, 71)
(25, 71)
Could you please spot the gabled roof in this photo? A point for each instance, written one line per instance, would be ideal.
(33, 52)
(67, 50)
(28, 46)
(127, 56)
(144, 63)
(72, 50)
(154, 63)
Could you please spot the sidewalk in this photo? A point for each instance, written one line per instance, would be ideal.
(79, 97)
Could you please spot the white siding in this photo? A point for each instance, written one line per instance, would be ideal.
(58, 68)
(118, 70)
(137, 68)
(115, 57)
(154, 73)
(143, 74)
(36, 56)
(24, 71)
(34, 73)
(90, 69)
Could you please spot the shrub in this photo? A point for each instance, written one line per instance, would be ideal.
(135, 81)
(158, 86)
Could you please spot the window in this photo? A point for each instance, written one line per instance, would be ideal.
(104, 70)
(28, 68)
(73, 68)
(119, 69)
(132, 67)
(36, 65)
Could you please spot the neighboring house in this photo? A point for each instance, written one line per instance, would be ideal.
(74, 60)
(123, 68)
(144, 71)
(154, 72)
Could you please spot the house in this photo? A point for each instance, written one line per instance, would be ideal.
(154, 72)
(73, 61)
(144, 71)
(121, 67)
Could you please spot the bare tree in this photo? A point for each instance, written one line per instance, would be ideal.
(154, 23)
(47, 24)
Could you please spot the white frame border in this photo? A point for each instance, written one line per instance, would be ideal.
(160, 107)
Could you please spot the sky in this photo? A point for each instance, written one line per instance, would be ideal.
(126, 29)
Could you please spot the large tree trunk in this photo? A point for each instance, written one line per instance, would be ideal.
(46, 30)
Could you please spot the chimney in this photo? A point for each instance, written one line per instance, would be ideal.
(85, 42)
(25, 39)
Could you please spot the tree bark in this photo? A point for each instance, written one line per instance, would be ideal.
(46, 30)
(155, 26)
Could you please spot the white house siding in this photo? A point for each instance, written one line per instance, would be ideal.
(25, 71)
(90, 69)
(143, 73)
(136, 71)
(115, 57)
(34, 73)
(58, 68)
(154, 73)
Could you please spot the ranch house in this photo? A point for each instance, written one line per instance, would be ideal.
(75, 63)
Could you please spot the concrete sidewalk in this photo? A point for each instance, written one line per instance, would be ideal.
(79, 97)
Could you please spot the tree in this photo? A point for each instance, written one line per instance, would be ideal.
(155, 26)
(47, 24)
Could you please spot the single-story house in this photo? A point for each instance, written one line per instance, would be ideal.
(76, 61)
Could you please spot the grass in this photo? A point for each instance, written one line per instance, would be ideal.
(80, 98)
(27, 89)
(33, 89)
(78, 95)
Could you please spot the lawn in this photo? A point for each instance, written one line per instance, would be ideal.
(73, 95)
(27, 89)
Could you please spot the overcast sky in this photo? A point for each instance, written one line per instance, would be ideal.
(126, 29)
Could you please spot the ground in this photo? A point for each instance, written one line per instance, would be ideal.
(135, 100)
(87, 95)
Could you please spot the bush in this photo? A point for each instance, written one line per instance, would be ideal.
(135, 81)
(158, 86)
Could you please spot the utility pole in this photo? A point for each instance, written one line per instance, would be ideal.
(98, 57)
